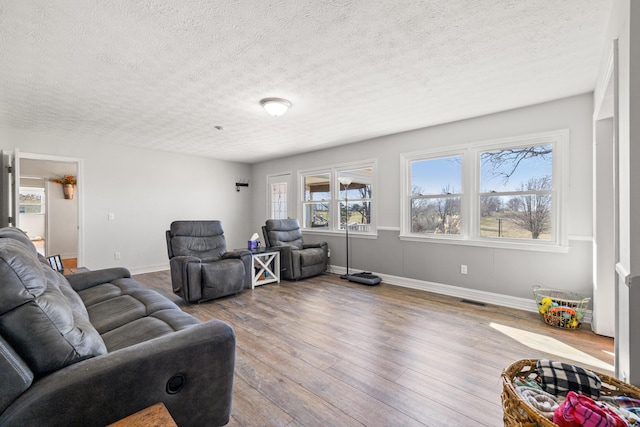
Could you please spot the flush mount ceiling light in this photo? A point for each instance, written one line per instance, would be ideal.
(275, 106)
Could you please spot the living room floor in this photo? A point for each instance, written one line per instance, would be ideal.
(327, 352)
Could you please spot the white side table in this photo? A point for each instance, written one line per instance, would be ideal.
(266, 267)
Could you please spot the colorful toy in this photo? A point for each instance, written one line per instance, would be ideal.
(546, 304)
(560, 309)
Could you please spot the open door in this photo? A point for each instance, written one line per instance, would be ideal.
(9, 188)
(5, 189)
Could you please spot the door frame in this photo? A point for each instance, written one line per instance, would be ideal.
(79, 193)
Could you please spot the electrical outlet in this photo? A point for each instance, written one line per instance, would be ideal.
(116, 255)
(111, 216)
(463, 269)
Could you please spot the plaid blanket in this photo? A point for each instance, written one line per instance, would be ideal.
(560, 378)
(628, 403)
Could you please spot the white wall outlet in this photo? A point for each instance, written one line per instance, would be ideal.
(116, 255)
(111, 216)
(463, 269)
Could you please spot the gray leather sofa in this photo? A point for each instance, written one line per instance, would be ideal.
(91, 348)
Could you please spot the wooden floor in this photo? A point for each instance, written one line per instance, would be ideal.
(326, 352)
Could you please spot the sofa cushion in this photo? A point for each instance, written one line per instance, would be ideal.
(284, 232)
(121, 301)
(201, 239)
(19, 236)
(157, 324)
(45, 324)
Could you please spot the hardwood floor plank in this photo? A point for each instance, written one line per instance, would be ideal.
(413, 404)
(300, 403)
(482, 408)
(327, 352)
(251, 408)
(329, 388)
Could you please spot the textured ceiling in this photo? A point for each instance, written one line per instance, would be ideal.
(163, 74)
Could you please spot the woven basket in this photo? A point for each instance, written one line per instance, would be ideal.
(567, 310)
(519, 414)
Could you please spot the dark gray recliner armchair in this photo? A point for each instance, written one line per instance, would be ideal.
(298, 260)
(201, 267)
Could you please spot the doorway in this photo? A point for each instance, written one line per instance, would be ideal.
(40, 208)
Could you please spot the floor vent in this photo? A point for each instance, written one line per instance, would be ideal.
(468, 301)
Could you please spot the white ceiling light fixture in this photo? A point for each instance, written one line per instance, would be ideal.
(275, 106)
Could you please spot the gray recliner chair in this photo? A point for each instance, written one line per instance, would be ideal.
(201, 267)
(298, 260)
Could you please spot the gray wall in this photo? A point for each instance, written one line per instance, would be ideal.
(145, 190)
(500, 271)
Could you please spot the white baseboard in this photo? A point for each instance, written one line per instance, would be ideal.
(149, 269)
(68, 255)
(459, 292)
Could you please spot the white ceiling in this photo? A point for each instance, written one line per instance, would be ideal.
(162, 74)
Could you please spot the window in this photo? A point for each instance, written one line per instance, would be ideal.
(278, 196)
(357, 215)
(279, 200)
(500, 193)
(31, 200)
(516, 198)
(317, 200)
(436, 192)
(323, 198)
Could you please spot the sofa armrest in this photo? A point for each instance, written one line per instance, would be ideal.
(190, 371)
(245, 257)
(236, 254)
(315, 245)
(186, 277)
(88, 279)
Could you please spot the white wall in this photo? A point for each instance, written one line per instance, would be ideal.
(145, 190)
(62, 222)
(500, 271)
(624, 27)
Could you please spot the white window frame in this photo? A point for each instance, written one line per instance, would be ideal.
(464, 209)
(335, 197)
(470, 202)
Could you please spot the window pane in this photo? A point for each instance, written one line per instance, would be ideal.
(359, 197)
(316, 187)
(359, 216)
(436, 215)
(279, 200)
(526, 216)
(316, 215)
(506, 170)
(360, 187)
(437, 176)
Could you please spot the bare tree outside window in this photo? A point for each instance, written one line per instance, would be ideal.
(436, 215)
(512, 210)
(505, 190)
(435, 195)
(533, 211)
(504, 163)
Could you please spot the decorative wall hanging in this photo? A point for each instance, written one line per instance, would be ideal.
(68, 183)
